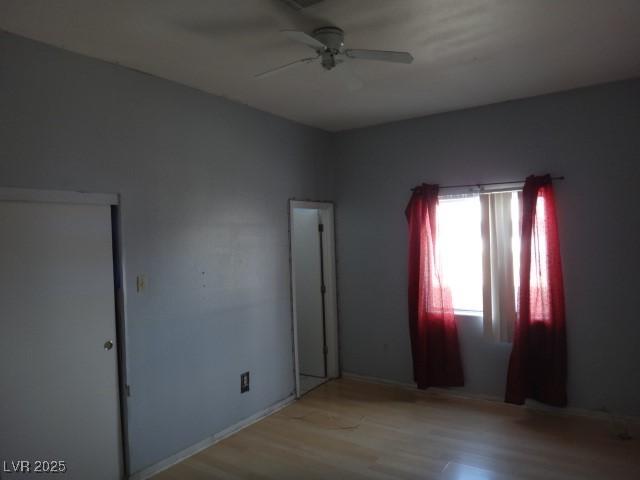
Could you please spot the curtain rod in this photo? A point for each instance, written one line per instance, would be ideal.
(486, 184)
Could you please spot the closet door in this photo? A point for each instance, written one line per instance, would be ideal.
(58, 357)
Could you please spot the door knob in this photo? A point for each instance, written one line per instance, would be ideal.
(108, 345)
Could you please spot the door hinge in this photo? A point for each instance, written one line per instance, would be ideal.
(320, 227)
(323, 289)
(325, 350)
(127, 390)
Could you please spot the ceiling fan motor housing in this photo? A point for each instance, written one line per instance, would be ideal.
(333, 39)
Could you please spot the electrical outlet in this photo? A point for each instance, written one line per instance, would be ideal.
(244, 382)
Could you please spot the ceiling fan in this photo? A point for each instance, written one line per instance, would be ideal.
(328, 43)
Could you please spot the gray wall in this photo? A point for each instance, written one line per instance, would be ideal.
(592, 136)
(204, 185)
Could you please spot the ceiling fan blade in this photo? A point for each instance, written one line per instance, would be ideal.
(285, 66)
(305, 38)
(381, 55)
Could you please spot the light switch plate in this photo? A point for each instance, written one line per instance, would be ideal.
(140, 283)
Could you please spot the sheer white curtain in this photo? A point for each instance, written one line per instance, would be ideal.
(499, 308)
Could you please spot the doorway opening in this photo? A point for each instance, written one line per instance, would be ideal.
(313, 294)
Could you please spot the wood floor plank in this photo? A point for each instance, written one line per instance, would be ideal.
(349, 429)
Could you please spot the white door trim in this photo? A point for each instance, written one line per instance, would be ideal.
(57, 196)
(326, 210)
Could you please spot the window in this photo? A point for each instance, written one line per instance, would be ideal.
(461, 252)
(460, 243)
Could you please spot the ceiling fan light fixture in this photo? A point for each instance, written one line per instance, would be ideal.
(328, 60)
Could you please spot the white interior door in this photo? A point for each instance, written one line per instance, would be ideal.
(308, 294)
(59, 397)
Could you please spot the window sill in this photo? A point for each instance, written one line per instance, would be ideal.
(467, 314)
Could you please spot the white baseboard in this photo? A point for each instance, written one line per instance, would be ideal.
(451, 393)
(212, 440)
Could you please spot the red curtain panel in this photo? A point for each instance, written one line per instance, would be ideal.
(434, 336)
(538, 363)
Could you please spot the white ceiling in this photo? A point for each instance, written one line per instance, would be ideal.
(467, 52)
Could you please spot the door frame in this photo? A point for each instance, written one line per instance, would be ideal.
(113, 201)
(327, 213)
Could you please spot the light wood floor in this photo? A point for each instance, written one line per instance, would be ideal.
(348, 429)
